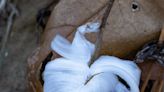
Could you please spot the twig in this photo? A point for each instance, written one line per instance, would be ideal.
(2, 4)
(161, 38)
(14, 12)
(100, 33)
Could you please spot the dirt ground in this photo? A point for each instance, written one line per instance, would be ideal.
(21, 44)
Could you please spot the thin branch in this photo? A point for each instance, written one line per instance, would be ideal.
(2, 4)
(14, 12)
(100, 33)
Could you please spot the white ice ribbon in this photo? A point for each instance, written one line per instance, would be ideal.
(80, 49)
(71, 72)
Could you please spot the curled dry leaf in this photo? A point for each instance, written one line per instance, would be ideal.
(126, 30)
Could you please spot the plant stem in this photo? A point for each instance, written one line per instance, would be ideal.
(100, 33)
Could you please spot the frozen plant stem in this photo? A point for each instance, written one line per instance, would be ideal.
(100, 33)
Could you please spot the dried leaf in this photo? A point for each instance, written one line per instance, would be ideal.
(126, 30)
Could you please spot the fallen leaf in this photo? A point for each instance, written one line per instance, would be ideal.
(126, 30)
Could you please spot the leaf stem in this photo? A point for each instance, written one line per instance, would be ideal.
(100, 33)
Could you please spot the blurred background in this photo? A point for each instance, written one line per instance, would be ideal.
(22, 41)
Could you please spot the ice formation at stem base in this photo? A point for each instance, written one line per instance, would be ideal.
(71, 72)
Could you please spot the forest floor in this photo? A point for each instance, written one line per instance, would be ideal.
(23, 40)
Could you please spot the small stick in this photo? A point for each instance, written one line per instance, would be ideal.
(14, 12)
(2, 5)
(155, 86)
(161, 38)
(100, 33)
(147, 78)
(161, 85)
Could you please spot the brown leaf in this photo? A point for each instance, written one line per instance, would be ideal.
(125, 32)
